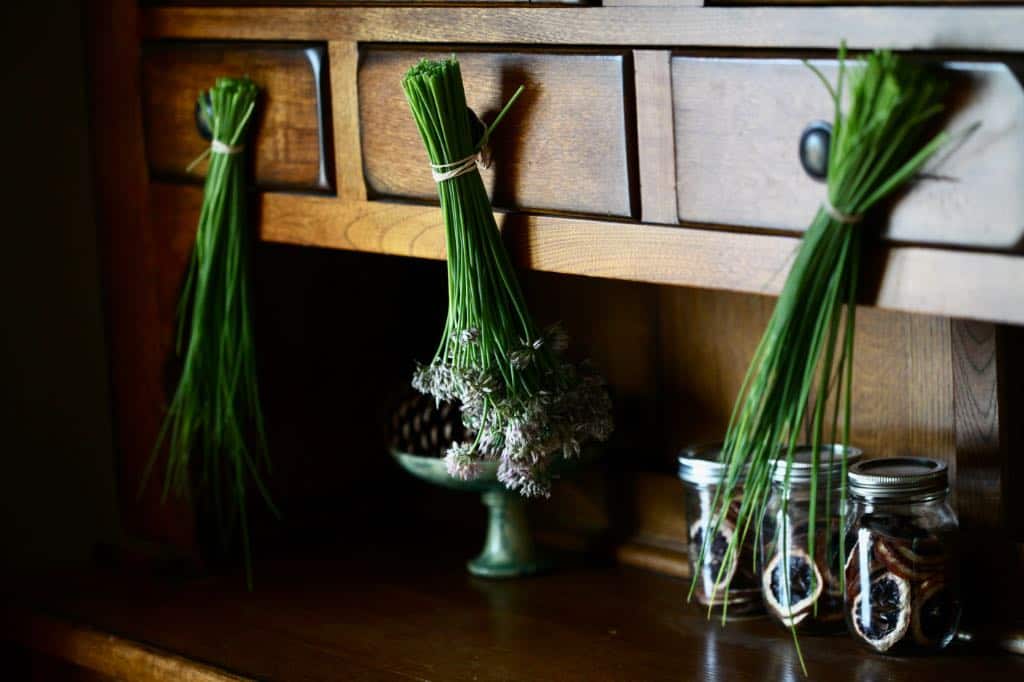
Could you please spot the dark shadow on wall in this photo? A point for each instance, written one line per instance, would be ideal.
(57, 487)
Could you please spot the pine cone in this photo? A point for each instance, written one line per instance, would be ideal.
(420, 427)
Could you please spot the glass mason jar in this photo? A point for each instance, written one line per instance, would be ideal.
(701, 472)
(801, 584)
(902, 592)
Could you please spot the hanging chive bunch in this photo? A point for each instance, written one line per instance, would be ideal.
(806, 352)
(215, 412)
(526, 405)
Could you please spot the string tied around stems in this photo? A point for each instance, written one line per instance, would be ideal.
(481, 156)
(839, 216)
(216, 147)
(446, 171)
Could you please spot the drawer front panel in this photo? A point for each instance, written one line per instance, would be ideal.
(737, 129)
(289, 139)
(562, 147)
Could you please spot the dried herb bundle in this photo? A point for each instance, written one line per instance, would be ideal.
(215, 412)
(806, 352)
(527, 406)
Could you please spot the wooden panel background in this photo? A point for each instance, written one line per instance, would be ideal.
(289, 137)
(564, 146)
(656, 153)
(985, 29)
(738, 124)
(908, 278)
(133, 251)
(675, 358)
(903, 400)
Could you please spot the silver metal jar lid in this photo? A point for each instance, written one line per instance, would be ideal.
(700, 465)
(830, 464)
(896, 479)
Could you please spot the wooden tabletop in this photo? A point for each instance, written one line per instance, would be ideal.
(384, 617)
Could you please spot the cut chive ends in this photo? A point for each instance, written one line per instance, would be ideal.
(528, 407)
(213, 431)
(805, 357)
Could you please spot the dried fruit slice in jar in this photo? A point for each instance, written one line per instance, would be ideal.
(791, 592)
(713, 580)
(862, 564)
(905, 549)
(903, 582)
(881, 617)
(935, 615)
(926, 555)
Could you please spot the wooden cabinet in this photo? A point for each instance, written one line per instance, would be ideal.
(565, 146)
(291, 142)
(649, 189)
(738, 122)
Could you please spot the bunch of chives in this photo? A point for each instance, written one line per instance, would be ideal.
(806, 352)
(526, 405)
(215, 412)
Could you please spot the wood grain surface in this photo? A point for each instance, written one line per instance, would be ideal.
(288, 139)
(675, 357)
(139, 297)
(656, 153)
(903, 394)
(348, 157)
(903, 391)
(368, 616)
(113, 657)
(673, 335)
(659, 532)
(611, 325)
(30, 666)
(978, 490)
(913, 279)
(562, 147)
(981, 456)
(737, 129)
(982, 29)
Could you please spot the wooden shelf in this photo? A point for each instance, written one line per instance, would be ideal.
(382, 617)
(960, 284)
(983, 29)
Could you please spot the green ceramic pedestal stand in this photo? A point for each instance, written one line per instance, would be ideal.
(508, 550)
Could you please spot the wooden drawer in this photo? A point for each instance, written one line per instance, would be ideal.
(563, 147)
(737, 129)
(289, 139)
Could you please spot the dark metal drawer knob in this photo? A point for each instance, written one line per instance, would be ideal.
(814, 144)
(204, 116)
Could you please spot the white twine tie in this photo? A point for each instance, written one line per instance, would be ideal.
(839, 216)
(216, 147)
(446, 171)
(478, 159)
